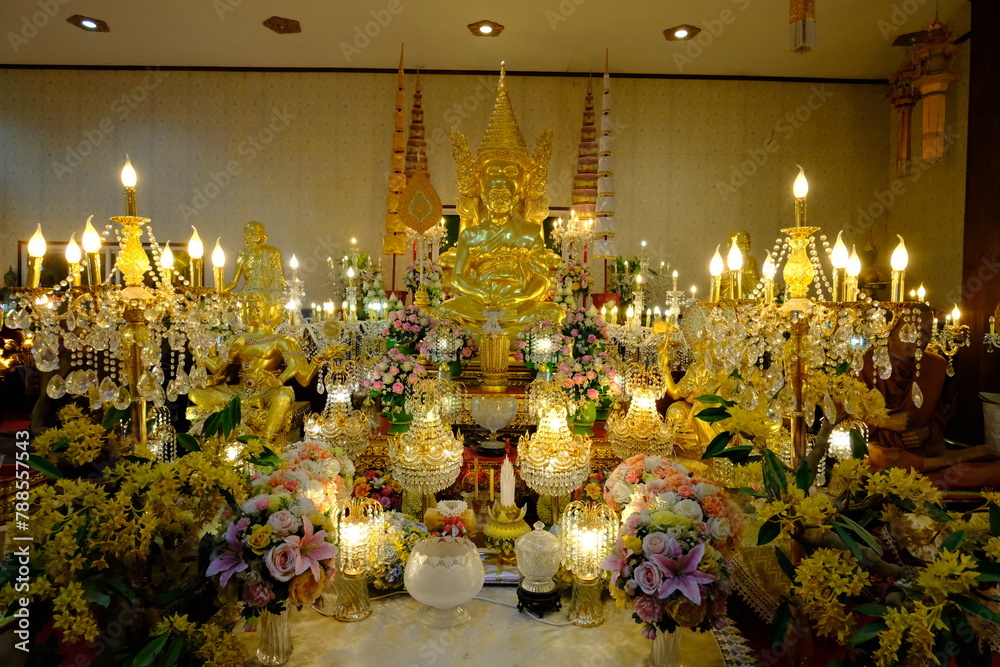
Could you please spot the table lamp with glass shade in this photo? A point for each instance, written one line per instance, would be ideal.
(589, 531)
(358, 528)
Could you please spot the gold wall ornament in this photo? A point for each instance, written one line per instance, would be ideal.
(419, 203)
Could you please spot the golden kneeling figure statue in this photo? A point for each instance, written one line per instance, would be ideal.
(500, 261)
(262, 361)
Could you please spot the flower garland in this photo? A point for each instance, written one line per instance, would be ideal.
(430, 279)
(671, 557)
(392, 379)
(572, 280)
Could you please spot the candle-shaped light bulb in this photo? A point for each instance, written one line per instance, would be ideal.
(839, 256)
(638, 279)
(218, 256)
(350, 272)
(694, 290)
(715, 267)
(854, 263)
(656, 312)
(674, 275)
(921, 292)
(72, 250)
(644, 245)
(36, 244)
(768, 269)
(128, 174)
(354, 241)
(956, 314)
(293, 262)
(91, 239)
(167, 257)
(899, 258)
(735, 258)
(630, 313)
(196, 249)
(800, 188)
(507, 483)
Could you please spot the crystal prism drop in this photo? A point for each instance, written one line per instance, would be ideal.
(70, 321)
(46, 358)
(172, 391)
(122, 399)
(76, 382)
(19, 319)
(108, 390)
(94, 395)
(56, 388)
(157, 397)
(199, 377)
(829, 409)
(146, 385)
(916, 395)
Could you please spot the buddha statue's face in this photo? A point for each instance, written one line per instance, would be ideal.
(253, 235)
(501, 182)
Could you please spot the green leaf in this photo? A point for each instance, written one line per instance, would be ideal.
(113, 417)
(868, 632)
(267, 459)
(712, 398)
(774, 475)
(769, 530)
(784, 563)
(188, 442)
(976, 608)
(936, 512)
(213, 425)
(247, 438)
(848, 541)
(164, 599)
(227, 494)
(953, 541)
(841, 368)
(145, 657)
(712, 415)
(747, 491)
(905, 503)
(91, 593)
(740, 455)
(871, 609)
(60, 446)
(173, 653)
(44, 466)
(859, 446)
(718, 444)
(804, 476)
(861, 532)
(779, 623)
(994, 519)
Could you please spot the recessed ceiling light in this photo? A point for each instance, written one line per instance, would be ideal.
(88, 23)
(283, 26)
(485, 28)
(681, 33)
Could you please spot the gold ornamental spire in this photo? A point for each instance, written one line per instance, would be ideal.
(503, 136)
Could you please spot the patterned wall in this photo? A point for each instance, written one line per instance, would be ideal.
(308, 155)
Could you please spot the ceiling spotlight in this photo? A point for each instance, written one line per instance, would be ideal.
(485, 28)
(87, 23)
(283, 26)
(681, 33)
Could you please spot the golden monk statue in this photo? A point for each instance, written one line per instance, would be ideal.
(260, 266)
(751, 274)
(263, 361)
(500, 261)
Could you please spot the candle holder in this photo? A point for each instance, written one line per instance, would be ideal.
(589, 531)
(505, 524)
(358, 521)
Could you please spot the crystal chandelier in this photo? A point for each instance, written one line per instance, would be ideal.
(339, 425)
(641, 430)
(428, 457)
(553, 461)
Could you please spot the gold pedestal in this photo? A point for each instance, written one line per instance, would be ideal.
(494, 355)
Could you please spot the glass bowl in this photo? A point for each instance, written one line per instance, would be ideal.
(444, 573)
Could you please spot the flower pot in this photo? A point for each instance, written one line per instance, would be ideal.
(583, 420)
(400, 422)
(275, 638)
(604, 406)
(456, 369)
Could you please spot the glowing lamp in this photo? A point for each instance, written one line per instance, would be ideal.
(36, 244)
(73, 251)
(218, 256)
(854, 263)
(196, 249)
(768, 269)
(956, 314)
(128, 174)
(734, 260)
(589, 530)
(800, 188)
(91, 239)
(358, 521)
(899, 258)
(715, 266)
(839, 256)
(167, 257)
(293, 263)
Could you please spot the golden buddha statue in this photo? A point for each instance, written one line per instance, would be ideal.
(262, 361)
(751, 274)
(500, 261)
(260, 266)
(693, 434)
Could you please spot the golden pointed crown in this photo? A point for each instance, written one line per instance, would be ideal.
(503, 138)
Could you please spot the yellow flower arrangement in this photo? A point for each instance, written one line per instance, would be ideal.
(904, 483)
(949, 574)
(821, 581)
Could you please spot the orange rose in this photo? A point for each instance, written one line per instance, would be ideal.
(686, 613)
(303, 589)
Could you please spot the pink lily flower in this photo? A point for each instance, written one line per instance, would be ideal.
(681, 574)
(230, 559)
(616, 560)
(313, 548)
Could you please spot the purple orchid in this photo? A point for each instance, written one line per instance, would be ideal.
(229, 560)
(681, 574)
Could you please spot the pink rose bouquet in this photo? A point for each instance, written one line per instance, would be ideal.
(671, 557)
(458, 339)
(572, 279)
(408, 326)
(587, 377)
(587, 329)
(393, 378)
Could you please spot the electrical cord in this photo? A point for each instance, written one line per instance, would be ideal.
(530, 615)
